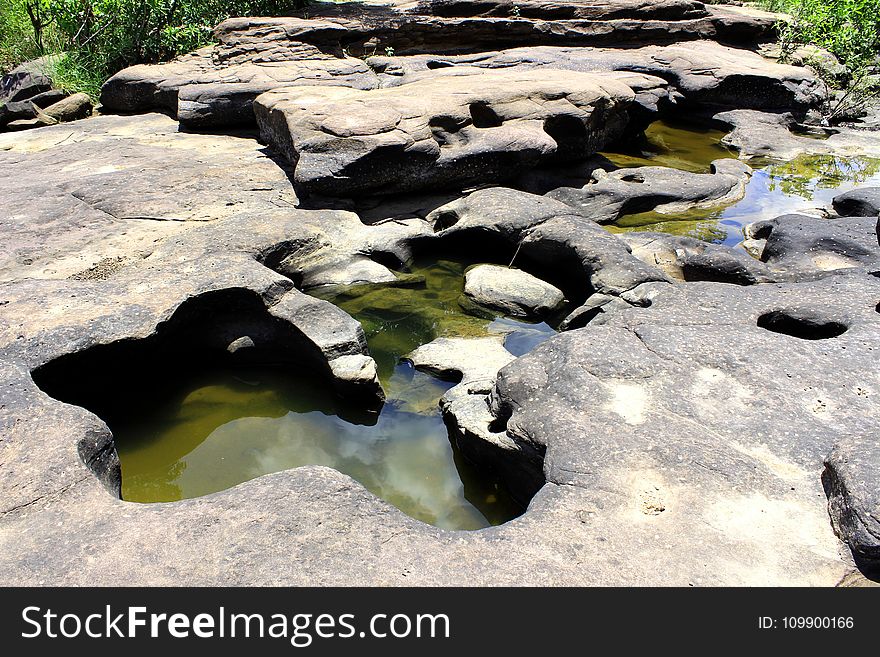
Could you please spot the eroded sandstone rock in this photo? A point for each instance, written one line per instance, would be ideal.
(610, 195)
(452, 131)
(802, 245)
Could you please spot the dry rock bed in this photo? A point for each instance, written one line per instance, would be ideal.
(707, 414)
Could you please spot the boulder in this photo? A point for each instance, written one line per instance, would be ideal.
(71, 108)
(440, 133)
(862, 202)
(550, 234)
(514, 292)
(26, 80)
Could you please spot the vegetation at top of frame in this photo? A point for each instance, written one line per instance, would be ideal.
(100, 37)
(850, 30)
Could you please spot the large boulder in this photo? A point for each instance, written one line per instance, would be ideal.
(27, 80)
(512, 291)
(440, 133)
(71, 108)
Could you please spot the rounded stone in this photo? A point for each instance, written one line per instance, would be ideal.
(512, 291)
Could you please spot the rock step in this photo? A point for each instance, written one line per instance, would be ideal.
(440, 132)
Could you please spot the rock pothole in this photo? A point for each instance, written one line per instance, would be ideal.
(802, 325)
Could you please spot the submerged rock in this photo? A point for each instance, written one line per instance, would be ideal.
(473, 360)
(512, 291)
(438, 133)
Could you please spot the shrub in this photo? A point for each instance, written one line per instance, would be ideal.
(850, 30)
(102, 36)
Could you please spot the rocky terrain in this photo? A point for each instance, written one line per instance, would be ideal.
(707, 414)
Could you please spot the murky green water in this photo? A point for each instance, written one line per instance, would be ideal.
(221, 428)
(776, 188)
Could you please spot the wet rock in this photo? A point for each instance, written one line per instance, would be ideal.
(862, 202)
(512, 291)
(801, 245)
(689, 259)
(852, 469)
(610, 195)
(441, 133)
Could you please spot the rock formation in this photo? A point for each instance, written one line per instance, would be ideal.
(703, 417)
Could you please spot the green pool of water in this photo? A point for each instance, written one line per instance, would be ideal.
(776, 188)
(218, 429)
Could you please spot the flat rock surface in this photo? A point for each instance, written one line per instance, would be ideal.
(806, 245)
(113, 187)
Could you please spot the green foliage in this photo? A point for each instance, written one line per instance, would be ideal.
(848, 28)
(102, 36)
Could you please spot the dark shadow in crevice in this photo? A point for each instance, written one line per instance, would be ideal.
(802, 325)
